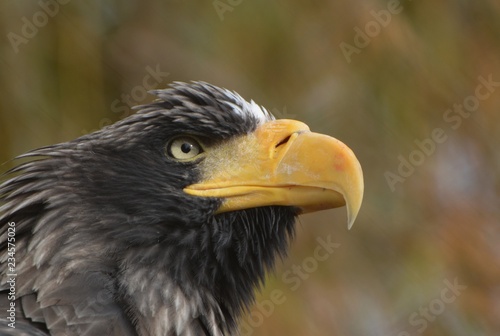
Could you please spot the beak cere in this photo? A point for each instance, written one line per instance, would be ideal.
(282, 163)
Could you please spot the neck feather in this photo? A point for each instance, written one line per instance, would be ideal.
(203, 277)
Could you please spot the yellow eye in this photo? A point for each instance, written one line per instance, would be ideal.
(184, 148)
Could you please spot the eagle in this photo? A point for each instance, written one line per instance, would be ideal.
(165, 222)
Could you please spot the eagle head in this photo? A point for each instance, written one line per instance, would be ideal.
(165, 222)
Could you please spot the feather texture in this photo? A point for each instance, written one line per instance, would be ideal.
(107, 243)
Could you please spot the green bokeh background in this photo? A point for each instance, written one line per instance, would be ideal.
(440, 222)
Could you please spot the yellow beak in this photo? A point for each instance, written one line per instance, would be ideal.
(283, 163)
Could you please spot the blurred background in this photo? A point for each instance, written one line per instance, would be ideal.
(413, 87)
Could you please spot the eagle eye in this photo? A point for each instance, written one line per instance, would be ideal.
(184, 148)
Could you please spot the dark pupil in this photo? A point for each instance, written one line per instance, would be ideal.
(186, 147)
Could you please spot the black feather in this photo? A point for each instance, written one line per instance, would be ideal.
(107, 243)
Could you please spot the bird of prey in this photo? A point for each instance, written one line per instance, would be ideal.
(165, 222)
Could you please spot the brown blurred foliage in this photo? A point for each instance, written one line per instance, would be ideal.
(431, 220)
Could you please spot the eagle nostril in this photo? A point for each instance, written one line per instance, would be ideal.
(282, 142)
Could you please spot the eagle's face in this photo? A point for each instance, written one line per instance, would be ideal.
(175, 213)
